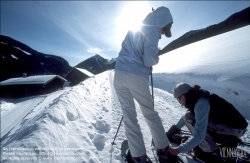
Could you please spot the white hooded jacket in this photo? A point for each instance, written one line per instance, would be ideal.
(139, 49)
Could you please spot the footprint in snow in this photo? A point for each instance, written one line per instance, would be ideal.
(102, 126)
(99, 141)
(105, 109)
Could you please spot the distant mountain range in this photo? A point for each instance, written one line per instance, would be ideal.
(17, 58)
(237, 20)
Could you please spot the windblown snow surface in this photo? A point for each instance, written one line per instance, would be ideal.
(78, 124)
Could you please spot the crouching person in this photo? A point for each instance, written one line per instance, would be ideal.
(211, 120)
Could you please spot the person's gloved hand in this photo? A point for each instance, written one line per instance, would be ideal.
(184, 139)
(171, 132)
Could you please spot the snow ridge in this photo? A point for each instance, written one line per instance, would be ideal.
(74, 119)
(79, 123)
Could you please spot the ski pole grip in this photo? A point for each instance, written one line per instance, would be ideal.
(151, 70)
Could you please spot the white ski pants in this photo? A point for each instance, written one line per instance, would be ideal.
(129, 87)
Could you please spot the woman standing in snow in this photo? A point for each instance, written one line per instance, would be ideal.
(133, 66)
(211, 121)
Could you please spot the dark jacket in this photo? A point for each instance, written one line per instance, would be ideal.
(221, 111)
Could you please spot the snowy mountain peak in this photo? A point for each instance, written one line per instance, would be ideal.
(98, 56)
(97, 64)
(112, 60)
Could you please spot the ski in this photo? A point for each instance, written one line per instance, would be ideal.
(126, 155)
(154, 151)
(124, 149)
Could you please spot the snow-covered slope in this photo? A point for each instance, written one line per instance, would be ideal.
(77, 119)
(220, 64)
(78, 124)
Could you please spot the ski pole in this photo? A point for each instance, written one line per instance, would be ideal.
(152, 85)
(113, 143)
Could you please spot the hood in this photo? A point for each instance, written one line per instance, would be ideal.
(159, 18)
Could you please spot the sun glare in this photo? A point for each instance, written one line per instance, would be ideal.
(131, 16)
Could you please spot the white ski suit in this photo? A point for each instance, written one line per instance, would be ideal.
(139, 52)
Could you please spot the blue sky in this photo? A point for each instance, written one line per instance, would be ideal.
(77, 30)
